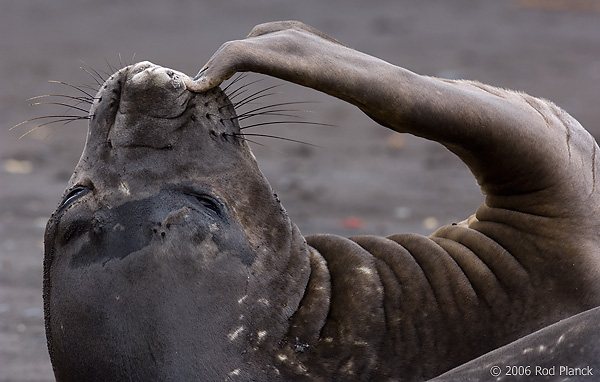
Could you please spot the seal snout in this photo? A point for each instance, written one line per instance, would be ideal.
(154, 109)
(147, 75)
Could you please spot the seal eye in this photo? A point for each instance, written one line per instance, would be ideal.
(73, 195)
(208, 203)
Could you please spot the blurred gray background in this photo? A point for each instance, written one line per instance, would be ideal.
(362, 179)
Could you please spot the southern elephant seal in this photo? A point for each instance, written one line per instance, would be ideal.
(565, 351)
(170, 257)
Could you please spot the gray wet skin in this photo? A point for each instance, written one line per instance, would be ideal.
(170, 257)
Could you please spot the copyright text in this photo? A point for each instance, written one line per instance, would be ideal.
(521, 370)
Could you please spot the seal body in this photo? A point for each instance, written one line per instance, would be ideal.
(566, 350)
(170, 257)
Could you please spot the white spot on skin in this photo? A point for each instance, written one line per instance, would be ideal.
(235, 333)
(365, 270)
(301, 369)
(234, 373)
(124, 188)
(213, 228)
(560, 339)
(282, 357)
(527, 350)
(349, 367)
(328, 340)
(261, 335)
(242, 299)
(264, 301)
(541, 348)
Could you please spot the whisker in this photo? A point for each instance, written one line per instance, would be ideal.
(286, 122)
(106, 75)
(258, 111)
(54, 130)
(276, 137)
(50, 116)
(251, 100)
(242, 89)
(60, 104)
(72, 86)
(95, 75)
(79, 99)
(257, 95)
(66, 120)
(111, 67)
(273, 113)
(237, 78)
(241, 136)
(90, 87)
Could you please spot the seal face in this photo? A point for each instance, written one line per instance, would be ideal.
(165, 225)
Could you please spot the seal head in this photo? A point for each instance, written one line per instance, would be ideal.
(167, 223)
